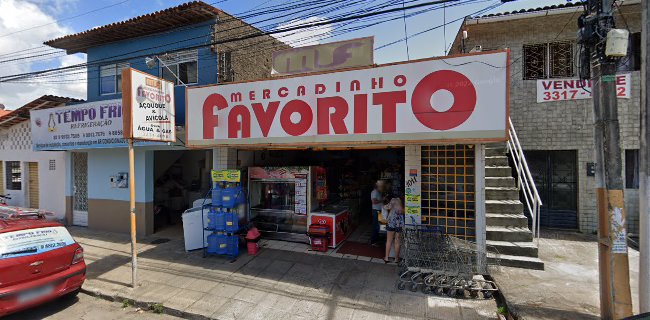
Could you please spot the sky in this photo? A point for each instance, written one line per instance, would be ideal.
(26, 24)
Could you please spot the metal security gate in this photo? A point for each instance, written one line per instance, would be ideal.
(555, 175)
(80, 189)
(448, 192)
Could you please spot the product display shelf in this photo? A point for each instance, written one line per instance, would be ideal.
(223, 220)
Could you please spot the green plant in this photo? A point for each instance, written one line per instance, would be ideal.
(126, 303)
(502, 310)
(157, 308)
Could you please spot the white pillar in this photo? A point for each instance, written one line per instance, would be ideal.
(479, 200)
(412, 184)
(224, 158)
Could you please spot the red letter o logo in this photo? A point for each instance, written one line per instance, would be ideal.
(306, 117)
(464, 99)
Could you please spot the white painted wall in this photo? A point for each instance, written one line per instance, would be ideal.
(103, 163)
(15, 145)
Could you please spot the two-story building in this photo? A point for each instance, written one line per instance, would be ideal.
(181, 41)
(552, 112)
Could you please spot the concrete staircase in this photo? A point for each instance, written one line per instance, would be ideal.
(507, 227)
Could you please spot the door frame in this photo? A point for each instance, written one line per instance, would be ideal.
(79, 217)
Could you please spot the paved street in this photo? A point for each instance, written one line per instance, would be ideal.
(85, 307)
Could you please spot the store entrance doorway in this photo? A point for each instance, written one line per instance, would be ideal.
(180, 178)
(351, 175)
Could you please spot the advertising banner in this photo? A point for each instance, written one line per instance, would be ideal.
(573, 89)
(453, 99)
(33, 241)
(323, 57)
(88, 125)
(149, 110)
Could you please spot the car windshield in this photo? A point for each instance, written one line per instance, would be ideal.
(33, 241)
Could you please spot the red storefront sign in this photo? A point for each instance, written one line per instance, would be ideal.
(461, 98)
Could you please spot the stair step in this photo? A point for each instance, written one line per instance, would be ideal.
(525, 249)
(496, 161)
(518, 261)
(513, 234)
(498, 171)
(501, 193)
(500, 181)
(504, 206)
(506, 219)
(489, 152)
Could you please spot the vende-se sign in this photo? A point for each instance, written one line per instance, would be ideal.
(323, 57)
(573, 89)
(148, 104)
(451, 99)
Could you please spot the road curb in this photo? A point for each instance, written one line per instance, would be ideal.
(144, 305)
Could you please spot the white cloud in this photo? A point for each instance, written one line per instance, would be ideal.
(304, 37)
(20, 15)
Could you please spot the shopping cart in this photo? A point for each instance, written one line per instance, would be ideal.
(444, 264)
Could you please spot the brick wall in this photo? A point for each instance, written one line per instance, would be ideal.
(561, 125)
(251, 58)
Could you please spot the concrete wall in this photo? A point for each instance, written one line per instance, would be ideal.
(561, 125)
(16, 145)
(108, 207)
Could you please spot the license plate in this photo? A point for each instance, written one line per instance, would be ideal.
(33, 294)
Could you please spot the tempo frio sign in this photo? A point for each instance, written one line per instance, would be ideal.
(451, 99)
(148, 107)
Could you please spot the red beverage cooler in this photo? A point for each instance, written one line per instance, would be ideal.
(337, 218)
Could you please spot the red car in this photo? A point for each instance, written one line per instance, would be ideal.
(39, 261)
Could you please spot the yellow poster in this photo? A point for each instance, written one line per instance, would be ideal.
(412, 198)
(413, 210)
(226, 176)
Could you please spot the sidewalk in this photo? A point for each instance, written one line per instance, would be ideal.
(275, 284)
(568, 287)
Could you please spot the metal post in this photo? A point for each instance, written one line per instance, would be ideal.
(615, 295)
(644, 183)
(134, 259)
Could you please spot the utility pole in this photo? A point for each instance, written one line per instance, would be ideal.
(644, 183)
(613, 264)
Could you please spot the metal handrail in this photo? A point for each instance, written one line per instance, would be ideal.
(525, 180)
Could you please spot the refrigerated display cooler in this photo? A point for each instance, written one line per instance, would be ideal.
(279, 201)
(283, 200)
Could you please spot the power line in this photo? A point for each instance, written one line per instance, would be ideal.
(64, 19)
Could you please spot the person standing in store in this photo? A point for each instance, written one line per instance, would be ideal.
(377, 198)
(394, 227)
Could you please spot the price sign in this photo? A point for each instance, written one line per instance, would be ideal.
(226, 176)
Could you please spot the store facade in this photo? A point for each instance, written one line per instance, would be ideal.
(422, 125)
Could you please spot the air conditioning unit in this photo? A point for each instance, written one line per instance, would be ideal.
(476, 49)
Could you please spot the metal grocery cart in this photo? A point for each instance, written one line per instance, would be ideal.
(444, 264)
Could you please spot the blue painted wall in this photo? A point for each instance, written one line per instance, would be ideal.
(134, 51)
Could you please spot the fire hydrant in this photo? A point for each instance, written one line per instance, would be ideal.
(252, 237)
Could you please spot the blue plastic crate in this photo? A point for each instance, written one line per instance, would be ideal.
(231, 196)
(216, 196)
(231, 221)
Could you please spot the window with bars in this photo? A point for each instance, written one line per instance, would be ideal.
(548, 60)
(226, 72)
(13, 175)
(448, 192)
(110, 78)
(181, 65)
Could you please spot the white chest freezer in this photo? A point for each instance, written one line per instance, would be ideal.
(193, 228)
